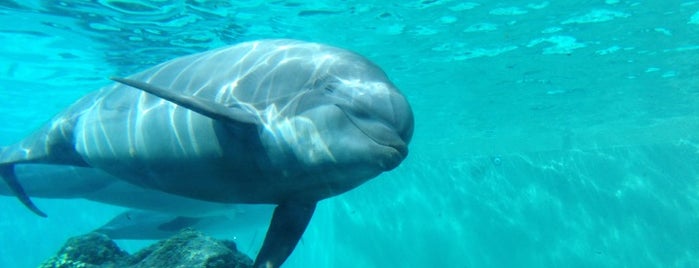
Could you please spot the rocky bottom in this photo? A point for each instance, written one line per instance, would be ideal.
(188, 248)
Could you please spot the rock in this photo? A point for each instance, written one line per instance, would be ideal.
(189, 248)
(90, 251)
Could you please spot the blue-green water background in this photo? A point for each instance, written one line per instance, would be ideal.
(548, 133)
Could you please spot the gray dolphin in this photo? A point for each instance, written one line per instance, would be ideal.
(280, 122)
(143, 224)
(65, 182)
(150, 225)
(154, 215)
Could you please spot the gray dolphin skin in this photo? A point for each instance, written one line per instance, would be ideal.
(281, 122)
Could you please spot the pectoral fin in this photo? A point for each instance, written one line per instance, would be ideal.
(289, 221)
(236, 113)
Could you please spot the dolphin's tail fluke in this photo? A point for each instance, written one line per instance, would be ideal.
(8, 160)
(51, 144)
(7, 172)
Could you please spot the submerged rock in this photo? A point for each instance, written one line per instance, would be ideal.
(90, 251)
(189, 248)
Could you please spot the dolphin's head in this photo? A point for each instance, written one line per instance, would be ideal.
(376, 119)
(348, 124)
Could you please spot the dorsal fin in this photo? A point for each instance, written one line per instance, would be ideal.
(232, 114)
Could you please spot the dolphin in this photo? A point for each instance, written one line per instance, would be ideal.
(281, 122)
(66, 182)
(143, 224)
(150, 225)
(153, 215)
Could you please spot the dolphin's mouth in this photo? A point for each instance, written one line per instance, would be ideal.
(379, 132)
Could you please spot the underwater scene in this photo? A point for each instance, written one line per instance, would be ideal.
(546, 133)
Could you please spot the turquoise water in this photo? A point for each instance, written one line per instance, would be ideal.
(548, 133)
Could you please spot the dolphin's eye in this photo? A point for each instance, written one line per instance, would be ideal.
(325, 83)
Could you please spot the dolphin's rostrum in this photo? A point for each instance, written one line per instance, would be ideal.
(280, 122)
